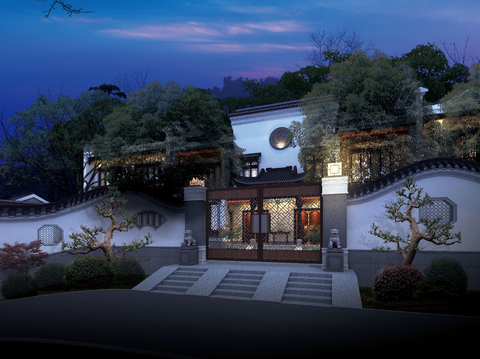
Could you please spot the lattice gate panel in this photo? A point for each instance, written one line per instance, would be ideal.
(229, 225)
(295, 229)
(292, 232)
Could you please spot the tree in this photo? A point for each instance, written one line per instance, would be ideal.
(362, 93)
(458, 134)
(433, 70)
(110, 90)
(464, 99)
(133, 82)
(47, 146)
(291, 86)
(332, 48)
(436, 233)
(86, 242)
(66, 7)
(21, 256)
(164, 136)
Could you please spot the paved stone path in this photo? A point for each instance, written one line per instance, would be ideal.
(303, 284)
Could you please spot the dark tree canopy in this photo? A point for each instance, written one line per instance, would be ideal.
(164, 136)
(433, 70)
(46, 148)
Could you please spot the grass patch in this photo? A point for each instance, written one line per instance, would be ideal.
(115, 286)
(468, 304)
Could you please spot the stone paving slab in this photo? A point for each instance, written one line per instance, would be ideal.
(345, 292)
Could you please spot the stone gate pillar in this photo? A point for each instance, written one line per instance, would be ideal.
(334, 197)
(195, 198)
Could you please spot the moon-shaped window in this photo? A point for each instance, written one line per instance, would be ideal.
(280, 138)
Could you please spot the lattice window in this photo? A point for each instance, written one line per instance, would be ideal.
(440, 207)
(150, 218)
(50, 234)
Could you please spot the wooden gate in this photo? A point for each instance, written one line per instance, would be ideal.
(265, 223)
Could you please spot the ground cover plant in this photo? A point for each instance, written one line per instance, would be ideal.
(468, 304)
(84, 273)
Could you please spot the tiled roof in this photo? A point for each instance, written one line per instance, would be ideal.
(13, 209)
(410, 171)
(252, 155)
(271, 175)
(10, 208)
(271, 107)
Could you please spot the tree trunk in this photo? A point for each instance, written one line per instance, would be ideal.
(408, 260)
(107, 245)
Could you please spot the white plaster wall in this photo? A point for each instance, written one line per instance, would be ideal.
(252, 132)
(462, 188)
(24, 229)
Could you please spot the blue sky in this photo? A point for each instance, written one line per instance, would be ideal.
(200, 42)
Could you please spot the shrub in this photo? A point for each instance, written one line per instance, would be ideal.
(89, 272)
(396, 282)
(451, 269)
(128, 271)
(16, 286)
(50, 276)
(440, 288)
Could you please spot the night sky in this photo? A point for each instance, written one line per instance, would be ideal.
(201, 42)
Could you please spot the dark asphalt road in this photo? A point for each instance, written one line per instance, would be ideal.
(137, 323)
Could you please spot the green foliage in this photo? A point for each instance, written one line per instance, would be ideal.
(464, 99)
(433, 71)
(439, 288)
(19, 285)
(50, 276)
(128, 271)
(164, 136)
(46, 147)
(361, 93)
(396, 282)
(89, 272)
(449, 268)
(291, 86)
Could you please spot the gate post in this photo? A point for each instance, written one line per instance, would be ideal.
(196, 217)
(334, 207)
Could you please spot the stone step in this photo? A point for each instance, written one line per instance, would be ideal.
(188, 274)
(310, 286)
(311, 275)
(181, 278)
(295, 298)
(192, 269)
(238, 271)
(310, 280)
(175, 283)
(244, 276)
(238, 287)
(170, 288)
(232, 293)
(241, 281)
(309, 292)
(317, 304)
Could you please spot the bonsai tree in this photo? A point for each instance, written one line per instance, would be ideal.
(87, 241)
(435, 232)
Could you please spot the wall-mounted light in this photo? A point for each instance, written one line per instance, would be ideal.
(334, 169)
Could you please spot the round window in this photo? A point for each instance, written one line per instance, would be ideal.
(280, 138)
